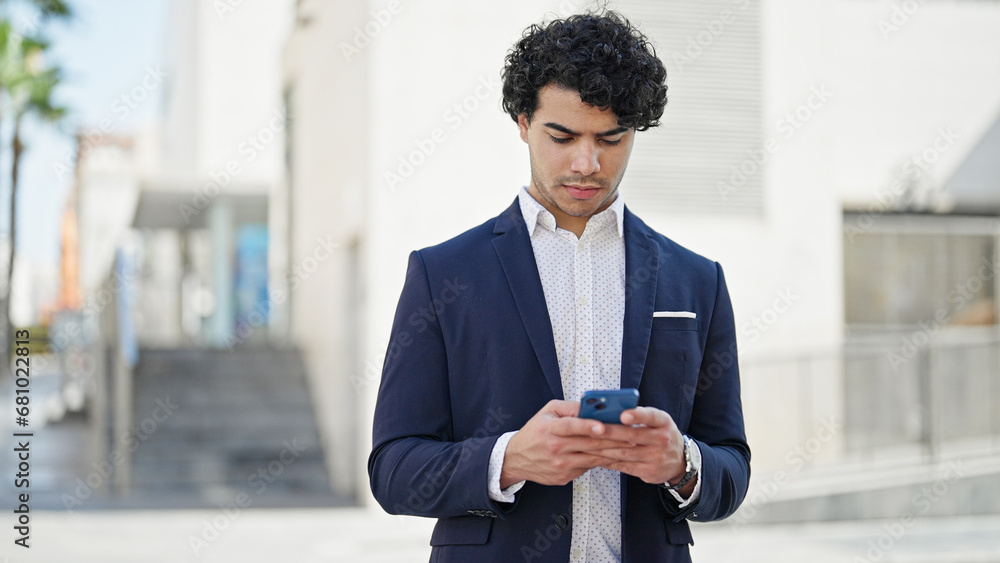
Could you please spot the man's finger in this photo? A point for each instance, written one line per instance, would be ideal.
(597, 446)
(627, 434)
(595, 460)
(571, 426)
(562, 408)
(620, 454)
(661, 436)
(647, 416)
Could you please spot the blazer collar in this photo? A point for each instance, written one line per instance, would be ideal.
(513, 248)
(642, 267)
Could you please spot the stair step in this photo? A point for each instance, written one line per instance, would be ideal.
(237, 414)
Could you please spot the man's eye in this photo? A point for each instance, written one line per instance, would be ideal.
(612, 143)
(560, 140)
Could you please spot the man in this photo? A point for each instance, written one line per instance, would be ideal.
(500, 330)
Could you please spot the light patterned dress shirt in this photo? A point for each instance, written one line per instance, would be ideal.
(584, 284)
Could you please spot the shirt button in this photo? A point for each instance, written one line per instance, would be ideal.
(577, 554)
(584, 361)
(581, 301)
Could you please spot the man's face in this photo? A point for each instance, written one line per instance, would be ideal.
(578, 156)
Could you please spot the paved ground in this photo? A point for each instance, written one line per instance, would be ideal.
(363, 536)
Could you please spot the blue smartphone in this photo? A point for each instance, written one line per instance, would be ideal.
(607, 405)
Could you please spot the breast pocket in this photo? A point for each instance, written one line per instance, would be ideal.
(675, 323)
(670, 378)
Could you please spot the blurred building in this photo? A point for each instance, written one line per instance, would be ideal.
(182, 253)
(214, 201)
(837, 158)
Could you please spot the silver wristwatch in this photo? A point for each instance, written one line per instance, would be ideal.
(690, 467)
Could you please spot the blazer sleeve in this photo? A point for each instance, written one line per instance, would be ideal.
(417, 466)
(717, 421)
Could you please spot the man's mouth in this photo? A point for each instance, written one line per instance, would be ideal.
(581, 192)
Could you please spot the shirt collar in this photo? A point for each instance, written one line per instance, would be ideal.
(534, 213)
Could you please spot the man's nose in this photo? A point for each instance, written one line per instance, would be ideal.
(586, 160)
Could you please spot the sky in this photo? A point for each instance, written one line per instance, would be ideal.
(104, 52)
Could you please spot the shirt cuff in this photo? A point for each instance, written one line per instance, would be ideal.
(696, 494)
(496, 467)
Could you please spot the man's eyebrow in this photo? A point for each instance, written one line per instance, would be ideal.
(569, 131)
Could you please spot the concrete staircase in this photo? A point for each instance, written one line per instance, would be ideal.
(216, 428)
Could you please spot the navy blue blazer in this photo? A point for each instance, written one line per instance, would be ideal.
(471, 356)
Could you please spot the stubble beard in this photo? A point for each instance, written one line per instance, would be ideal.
(548, 191)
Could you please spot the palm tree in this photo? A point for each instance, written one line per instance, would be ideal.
(29, 94)
(52, 8)
(26, 89)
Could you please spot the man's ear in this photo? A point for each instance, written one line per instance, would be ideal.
(522, 124)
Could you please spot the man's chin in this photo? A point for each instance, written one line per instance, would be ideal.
(580, 208)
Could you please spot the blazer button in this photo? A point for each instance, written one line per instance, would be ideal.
(561, 521)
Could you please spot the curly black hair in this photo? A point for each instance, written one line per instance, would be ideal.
(602, 56)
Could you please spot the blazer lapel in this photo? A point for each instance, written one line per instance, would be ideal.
(642, 265)
(513, 247)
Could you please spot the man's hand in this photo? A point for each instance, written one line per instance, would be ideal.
(554, 447)
(650, 447)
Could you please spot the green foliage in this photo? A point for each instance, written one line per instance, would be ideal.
(25, 85)
(52, 8)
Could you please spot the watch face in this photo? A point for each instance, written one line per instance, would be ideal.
(688, 446)
(692, 454)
